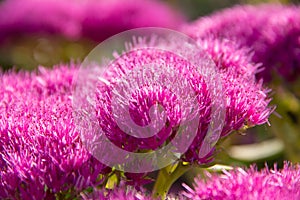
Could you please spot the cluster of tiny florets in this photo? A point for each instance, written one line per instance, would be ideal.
(40, 151)
(249, 184)
(246, 100)
(272, 31)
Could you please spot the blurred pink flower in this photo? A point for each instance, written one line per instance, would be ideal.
(271, 30)
(92, 19)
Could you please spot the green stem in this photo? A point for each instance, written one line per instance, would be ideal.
(166, 177)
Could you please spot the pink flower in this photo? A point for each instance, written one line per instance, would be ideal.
(40, 150)
(41, 154)
(246, 100)
(249, 184)
(91, 19)
(271, 30)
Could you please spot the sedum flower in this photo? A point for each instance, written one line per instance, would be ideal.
(271, 30)
(249, 184)
(245, 106)
(41, 155)
(91, 19)
(246, 100)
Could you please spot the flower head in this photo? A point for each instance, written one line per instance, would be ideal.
(271, 30)
(246, 100)
(40, 150)
(249, 184)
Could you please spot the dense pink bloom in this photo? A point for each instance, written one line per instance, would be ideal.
(230, 56)
(271, 30)
(249, 184)
(92, 19)
(40, 149)
(245, 105)
(246, 100)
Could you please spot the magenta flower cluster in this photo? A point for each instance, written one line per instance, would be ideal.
(246, 100)
(269, 184)
(271, 30)
(91, 19)
(245, 105)
(40, 151)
